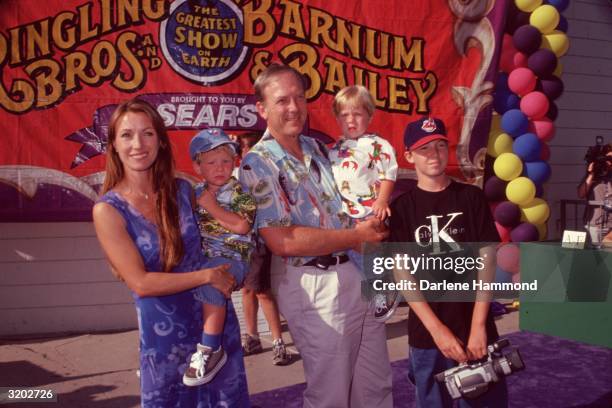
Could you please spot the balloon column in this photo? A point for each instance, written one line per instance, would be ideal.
(523, 124)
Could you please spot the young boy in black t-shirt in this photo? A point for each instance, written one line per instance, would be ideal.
(437, 209)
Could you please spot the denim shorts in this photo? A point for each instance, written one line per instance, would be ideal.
(209, 294)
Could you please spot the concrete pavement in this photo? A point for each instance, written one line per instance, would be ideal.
(100, 370)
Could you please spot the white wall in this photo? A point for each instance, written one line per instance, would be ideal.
(585, 108)
(54, 279)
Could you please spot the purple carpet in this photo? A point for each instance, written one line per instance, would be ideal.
(559, 373)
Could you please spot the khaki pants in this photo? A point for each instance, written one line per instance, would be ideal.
(344, 350)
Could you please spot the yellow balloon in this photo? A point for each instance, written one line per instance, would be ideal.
(545, 18)
(520, 191)
(500, 143)
(542, 231)
(508, 166)
(527, 5)
(495, 124)
(535, 212)
(559, 70)
(557, 42)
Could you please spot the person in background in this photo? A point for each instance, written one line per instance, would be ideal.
(147, 230)
(257, 290)
(597, 186)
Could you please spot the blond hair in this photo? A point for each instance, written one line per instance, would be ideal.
(354, 95)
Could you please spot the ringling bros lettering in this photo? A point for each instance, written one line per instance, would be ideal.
(64, 66)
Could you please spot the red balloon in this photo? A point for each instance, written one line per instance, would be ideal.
(522, 81)
(504, 233)
(509, 257)
(534, 105)
(506, 61)
(543, 128)
(520, 60)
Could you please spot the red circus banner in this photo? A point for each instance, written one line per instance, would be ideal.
(65, 65)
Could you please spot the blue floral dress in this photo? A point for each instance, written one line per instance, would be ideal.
(171, 326)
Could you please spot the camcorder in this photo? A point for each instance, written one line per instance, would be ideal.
(473, 380)
(598, 155)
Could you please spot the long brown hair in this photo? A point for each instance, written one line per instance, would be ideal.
(166, 206)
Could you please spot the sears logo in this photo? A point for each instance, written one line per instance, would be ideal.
(202, 40)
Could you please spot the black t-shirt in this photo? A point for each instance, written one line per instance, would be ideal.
(459, 213)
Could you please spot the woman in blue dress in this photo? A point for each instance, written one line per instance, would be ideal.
(145, 225)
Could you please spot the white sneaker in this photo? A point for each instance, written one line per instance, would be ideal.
(205, 364)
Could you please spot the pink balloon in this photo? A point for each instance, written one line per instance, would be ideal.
(521, 81)
(506, 60)
(543, 128)
(534, 105)
(544, 152)
(520, 60)
(508, 258)
(504, 233)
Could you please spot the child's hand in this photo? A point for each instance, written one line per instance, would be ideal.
(207, 199)
(381, 209)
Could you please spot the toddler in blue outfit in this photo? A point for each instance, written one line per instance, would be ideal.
(225, 215)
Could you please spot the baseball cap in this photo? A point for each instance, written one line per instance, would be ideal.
(423, 131)
(207, 140)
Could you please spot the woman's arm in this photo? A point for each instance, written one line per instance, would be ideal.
(127, 262)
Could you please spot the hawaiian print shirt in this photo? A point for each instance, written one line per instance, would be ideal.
(218, 240)
(290, 192)
(359, 166)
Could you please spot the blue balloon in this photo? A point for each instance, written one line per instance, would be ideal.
(563, 24)
(528, 147)
(501, 82)
(514, 122)
(537, 171)
(560, 5)
(505, 100)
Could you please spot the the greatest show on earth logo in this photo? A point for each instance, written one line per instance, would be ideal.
(203, 40)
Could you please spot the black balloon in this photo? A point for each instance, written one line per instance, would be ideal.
(542, 62)
(553, 111)
(552, 87)
(527, 39)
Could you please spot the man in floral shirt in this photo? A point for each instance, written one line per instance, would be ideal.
(299, 216)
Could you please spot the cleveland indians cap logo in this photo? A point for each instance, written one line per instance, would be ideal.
(429, 125)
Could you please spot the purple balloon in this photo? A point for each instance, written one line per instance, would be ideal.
(507, 214)
(514, 122)
(516, 19)
(553, 111)
(552, 87)
(524, 232)
(495, 189)
(527, 147)
(537, 171)
(542, 62)
(563, 24)
(527, 39)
